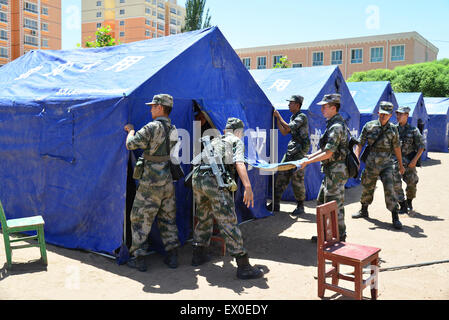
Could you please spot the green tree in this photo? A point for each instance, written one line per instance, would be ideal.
(103, 38)
(430, 78)
(194, 16)
(283, 63)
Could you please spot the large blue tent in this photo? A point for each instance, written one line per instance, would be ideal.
(438, 110)
(311, 83)
(62, 115)
(418, 114)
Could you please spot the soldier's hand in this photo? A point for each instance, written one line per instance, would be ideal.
(129, 127)
(276, 113)
(401, 170)
(248, 197)
(412, 165)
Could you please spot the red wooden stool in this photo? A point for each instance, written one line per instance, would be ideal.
(215, 236)
(340, 253)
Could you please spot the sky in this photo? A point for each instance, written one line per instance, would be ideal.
(252, 23)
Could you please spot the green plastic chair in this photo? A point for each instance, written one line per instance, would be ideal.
(35, 223)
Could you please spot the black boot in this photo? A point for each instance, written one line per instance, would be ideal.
(299, 209)
(363, 213)
(403, 208)
(137, 263)
(200, 256)
(277, 207)
(409, 204)
(245, 270)
(171, 259)
(396, 223)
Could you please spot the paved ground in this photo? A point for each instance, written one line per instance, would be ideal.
(280, 243)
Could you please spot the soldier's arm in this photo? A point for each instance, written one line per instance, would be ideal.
(139, 139)
(397, 149)
(282, 125)
(248, 196)
(361, 142)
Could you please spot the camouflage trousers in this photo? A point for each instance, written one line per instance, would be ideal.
(213, 203)
(369, 180)
(282, 180)
(333, 188)
(149, 203)
(411, 179)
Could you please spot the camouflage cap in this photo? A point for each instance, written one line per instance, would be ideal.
(386, 107)
(403, 109)
(296, 98)
(330, 98)
(234, 124)
(163, 99)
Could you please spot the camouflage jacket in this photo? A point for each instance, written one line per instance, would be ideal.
(151, 138)
(336, 140)
(411, 140)
(230, 148)
(299, 144)
(384, 148)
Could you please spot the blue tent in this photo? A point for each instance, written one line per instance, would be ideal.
(438, 110)
(367, 97)
(62, 142)
(418, 114)
(312, 83)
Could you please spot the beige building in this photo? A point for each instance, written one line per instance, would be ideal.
(132, 20)
(352, 55)
(28, 25)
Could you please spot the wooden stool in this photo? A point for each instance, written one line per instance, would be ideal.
(215, 235)
(341, 253)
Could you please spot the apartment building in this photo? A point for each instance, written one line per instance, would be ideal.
(351, 55)
(132, 20)
(28, 25)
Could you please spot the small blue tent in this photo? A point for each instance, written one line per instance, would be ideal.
(62, 142)
(418, 114)
(312, 83)
(367, 97)
(438, 110)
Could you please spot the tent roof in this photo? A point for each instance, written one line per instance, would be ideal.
(367, 95)
(408, 99)
(281, 84)
(91, 72)
(437, 105)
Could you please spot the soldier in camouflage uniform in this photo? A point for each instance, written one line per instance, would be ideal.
(380, 162)
(412, 147)
(215, 203)
(156, 194)
(332, 154)
(296, 150)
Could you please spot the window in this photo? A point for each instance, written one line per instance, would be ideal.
(44, 43)
(98, 14)
(44, 26)
(247, 63)
(98, 3)
(3, 17)
(337, 57)
(317, 58)
(122, 11)
(154, 24)
(122, 22)
(160, 27)
(173, 21)
(122, 1)
(4, 2)
(31, 7)
(296, 65)
(173, 10)
(377, 54)
(398, 53)
(147, 10)
(154, 13)
(44, 11)
(357, 56)
(161, 5)
(172, 31)
(147, 33)
(98, 25)
(122, 33)
(3, 52)
(161, 16)
(261, 62)
(276, 59)
(30, 24)
(31, 40)
(3, 35)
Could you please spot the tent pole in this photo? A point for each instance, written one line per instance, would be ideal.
(272, 160)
